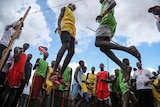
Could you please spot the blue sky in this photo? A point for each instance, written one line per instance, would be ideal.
(135, 26)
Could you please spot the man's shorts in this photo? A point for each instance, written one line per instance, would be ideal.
(65, 36)
(85, 97)
(104, 31)
(91, 91)
(102, 95)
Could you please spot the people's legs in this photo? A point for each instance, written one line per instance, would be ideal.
(126, 99)
(66, 94)
(65, 39)
(60, 98)
(112, 56)
(33, 103)
(36, 87)
(100, 103)
(60, 54)
(79, 103)
(23, 100)
(4, 95)
(42, 98)
(52, 99)
(149, 98)
(105, 43)
(2, 79)
(126, 69)
(114, 99)
(133, 99)
(19, 92)
(141, 98)
(11, 97)
(69, 55)
(2, 48)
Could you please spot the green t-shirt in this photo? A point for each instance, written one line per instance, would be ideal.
(42, 68)
(115, 86)
(123, 86)
(108, 19)
(66, 76)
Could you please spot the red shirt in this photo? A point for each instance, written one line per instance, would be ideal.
(15, 74)
(102, 85)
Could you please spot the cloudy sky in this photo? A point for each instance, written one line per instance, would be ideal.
(135, 26)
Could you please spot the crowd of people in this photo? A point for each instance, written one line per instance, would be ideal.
(52, 86)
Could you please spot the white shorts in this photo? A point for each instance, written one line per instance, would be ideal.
(104, 31)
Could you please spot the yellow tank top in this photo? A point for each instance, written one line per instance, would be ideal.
(92, 79)
(155, 93)
(84, 87)
(68, 22)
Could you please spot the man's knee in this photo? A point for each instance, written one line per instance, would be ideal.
(71, 52)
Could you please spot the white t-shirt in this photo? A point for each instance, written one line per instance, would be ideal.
(9, 31)
(141, 77)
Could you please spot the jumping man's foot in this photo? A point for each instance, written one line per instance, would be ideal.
(135, 53)
(126, 73)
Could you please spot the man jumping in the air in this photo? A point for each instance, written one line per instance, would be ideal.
(67, 31)
(106, 31)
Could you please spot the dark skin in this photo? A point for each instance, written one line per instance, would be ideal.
(81, 65)
(18, 51)
(65, 93)
(112, 80)
(106, 47)
(102, 103)
(61, 16)
(92, 70)
(35, 66)
(37, 62)
(102, 69)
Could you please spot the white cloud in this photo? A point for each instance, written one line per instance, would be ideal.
(35, 30)
(133, 20)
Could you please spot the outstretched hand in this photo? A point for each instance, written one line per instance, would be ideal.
(98, 18)
(57, 29)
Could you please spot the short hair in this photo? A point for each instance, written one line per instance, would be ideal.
(81, 61)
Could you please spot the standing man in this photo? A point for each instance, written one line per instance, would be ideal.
(102, 90)
(127, 93)
(14, 77)
(64, 90)
(39, 77)
(76, 91)
(67, 31)
(25, 79)
(91, 85)
(115, 90)
(143, 86)
(106, 31)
